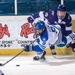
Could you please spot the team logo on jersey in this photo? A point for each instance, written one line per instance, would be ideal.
(44, 41)
(61, 22)
(53, 13)
(4, 30)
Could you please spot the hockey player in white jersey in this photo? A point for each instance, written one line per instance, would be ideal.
(48, 36)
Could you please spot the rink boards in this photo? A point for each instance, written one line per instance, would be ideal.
(13, 50)
(59, 51)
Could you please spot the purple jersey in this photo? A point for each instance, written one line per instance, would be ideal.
(52, 18)
(65, 23)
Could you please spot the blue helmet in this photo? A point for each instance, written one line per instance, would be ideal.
(39, 25)
(61, 7)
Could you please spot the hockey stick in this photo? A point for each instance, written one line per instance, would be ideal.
(15, 56)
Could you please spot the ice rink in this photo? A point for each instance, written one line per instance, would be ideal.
(61, 65)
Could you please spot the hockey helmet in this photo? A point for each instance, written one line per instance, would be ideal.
(61, 7)
(39, 25)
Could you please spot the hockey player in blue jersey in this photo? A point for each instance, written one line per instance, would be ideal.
(47, 36)
(57, 16)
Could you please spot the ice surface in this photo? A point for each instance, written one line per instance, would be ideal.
(61, 65)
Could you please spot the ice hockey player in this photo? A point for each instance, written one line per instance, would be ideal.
(57, 16)
(47, 36)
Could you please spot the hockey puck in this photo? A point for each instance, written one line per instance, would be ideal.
(17, 65)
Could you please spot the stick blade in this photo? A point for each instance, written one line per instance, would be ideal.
(1, 73)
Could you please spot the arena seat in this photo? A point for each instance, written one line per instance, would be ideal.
(53, 4)
(24, 7)
(32, 6)
(6, 8)
(70, 5)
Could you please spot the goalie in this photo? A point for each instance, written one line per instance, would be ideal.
(48, 36)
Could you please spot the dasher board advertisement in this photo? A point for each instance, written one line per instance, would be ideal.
(15, 34)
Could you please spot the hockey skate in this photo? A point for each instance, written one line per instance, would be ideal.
(73, 49)
(40, 58)
(70, 45)
(53, 52)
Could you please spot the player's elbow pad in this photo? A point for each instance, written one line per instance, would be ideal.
(30, 19)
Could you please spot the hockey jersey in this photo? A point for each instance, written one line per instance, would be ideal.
(51, 16)
(51, 36)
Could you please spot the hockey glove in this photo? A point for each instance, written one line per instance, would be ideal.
(28, 48)
(30, 19)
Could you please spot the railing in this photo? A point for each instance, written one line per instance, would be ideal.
(30, 7)
(70, 5)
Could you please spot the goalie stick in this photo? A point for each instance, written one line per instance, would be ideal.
(15, 56)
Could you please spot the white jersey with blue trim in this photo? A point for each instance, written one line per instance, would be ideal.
(51, 36)
(54, 34)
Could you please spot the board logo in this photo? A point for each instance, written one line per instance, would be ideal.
(4, 30)
(26, 30)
